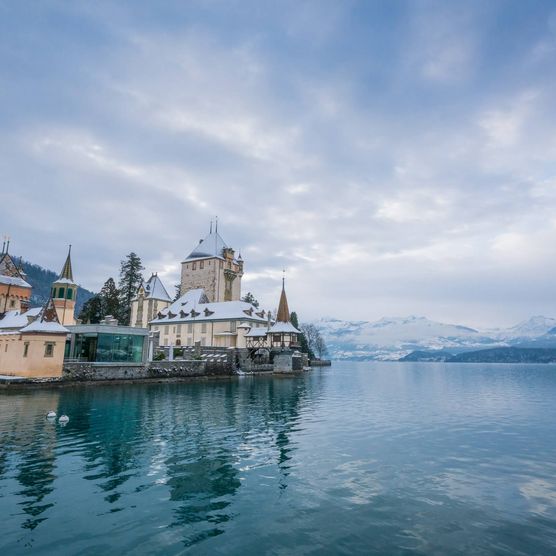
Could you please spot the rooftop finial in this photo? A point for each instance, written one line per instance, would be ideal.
(211, 226)
(283, 278)
(7, 244)
(217, 224)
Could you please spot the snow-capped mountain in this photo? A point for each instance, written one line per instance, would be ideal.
(395, 337)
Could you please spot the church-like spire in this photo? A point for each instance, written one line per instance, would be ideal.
(283, 309)
(67, 271)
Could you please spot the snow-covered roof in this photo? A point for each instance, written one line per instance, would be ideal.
(283, 328)
(193, 306)
(46, 321)
(211, 246)
(16, 319)
(154, 289)
(14, 281)
(46, 327)
(65, 281)
(256, 333)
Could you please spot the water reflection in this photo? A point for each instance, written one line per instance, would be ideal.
(196, 441)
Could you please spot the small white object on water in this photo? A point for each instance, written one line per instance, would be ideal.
(63, 419)
(51, 415)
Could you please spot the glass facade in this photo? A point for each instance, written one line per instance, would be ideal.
(108, 348)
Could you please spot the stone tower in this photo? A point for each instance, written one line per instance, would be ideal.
(213, 266)
(64, 292)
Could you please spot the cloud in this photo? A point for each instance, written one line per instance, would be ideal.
(393, 161)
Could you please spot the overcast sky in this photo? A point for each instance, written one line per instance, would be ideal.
(395, 157)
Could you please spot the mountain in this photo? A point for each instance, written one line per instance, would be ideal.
(41, 279)
(396, 337)
(507, 355)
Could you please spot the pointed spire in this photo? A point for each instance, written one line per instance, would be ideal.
(211, 226)
(67, 271)
(283, 309)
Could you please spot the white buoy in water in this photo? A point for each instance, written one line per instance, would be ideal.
(63, 419)
(51, 415)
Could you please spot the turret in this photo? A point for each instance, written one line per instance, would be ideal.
(64, 293)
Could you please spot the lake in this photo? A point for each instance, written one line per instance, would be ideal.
(359, 458)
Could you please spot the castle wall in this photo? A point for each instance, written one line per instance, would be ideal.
(27, 355)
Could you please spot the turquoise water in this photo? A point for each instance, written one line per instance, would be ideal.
(360, 458)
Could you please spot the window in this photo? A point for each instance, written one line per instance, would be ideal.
(190, 328)
(204, 328)
(25, 349)
(194, 266)
(233, 326)
(179, 329)
(12, 303)
(70, 294)
(190, 340)
(49, 349)
(178, 342)
(203, 341)
(174, 330)
(166, 329)
(202, 264)
(61, 293)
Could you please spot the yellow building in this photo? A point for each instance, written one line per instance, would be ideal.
(32, 344)
(32, 341)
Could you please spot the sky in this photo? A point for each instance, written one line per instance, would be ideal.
(394, 157)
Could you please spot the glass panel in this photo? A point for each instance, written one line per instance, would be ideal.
(70, 294)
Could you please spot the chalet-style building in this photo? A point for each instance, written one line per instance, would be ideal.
(152, 298)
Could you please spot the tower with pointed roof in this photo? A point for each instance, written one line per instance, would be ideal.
(213, 266)
(15, 292)
(152, 297)
(283, 334)
(64, 293)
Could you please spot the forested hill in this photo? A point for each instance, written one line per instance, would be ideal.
(41, 279)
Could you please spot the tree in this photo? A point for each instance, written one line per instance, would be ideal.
(177, 295)
(303, 344)
(110, 297)
(311, 333)
(91, 313)
(130, 280)
(250, 298)
(320, 346)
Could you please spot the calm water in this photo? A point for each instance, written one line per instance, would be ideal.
(357, 459)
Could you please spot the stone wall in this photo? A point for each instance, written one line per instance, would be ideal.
(156, 369)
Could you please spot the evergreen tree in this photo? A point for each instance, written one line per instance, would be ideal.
(250, 298)
(110, 297)
(130, 280)
(92, 310)
(177, 295)
(303, 344)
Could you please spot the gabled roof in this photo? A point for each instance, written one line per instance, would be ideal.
(283, 328)
(211, 246)
(154, 289)
(194, 306)
(46, 321)
(9, 269)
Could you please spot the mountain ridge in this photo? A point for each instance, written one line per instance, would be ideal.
(392, 338)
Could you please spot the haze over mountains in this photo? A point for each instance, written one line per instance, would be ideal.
(392, 338)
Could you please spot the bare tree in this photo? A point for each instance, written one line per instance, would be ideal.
(311, 334)
(320, 346)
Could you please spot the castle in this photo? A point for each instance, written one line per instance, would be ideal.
(209, 309)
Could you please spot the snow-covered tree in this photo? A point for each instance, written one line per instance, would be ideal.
(250, 298)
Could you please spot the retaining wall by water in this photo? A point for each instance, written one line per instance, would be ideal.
(156, 369)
